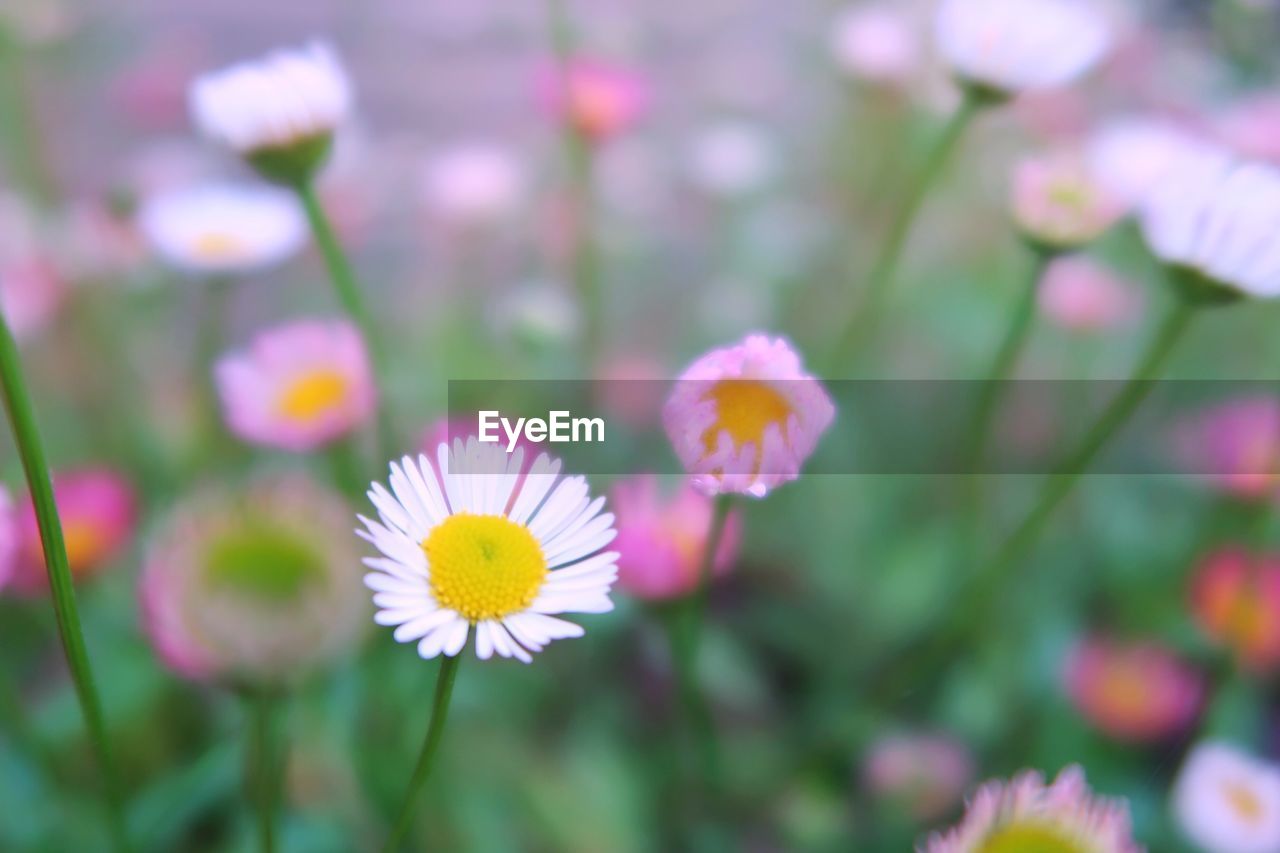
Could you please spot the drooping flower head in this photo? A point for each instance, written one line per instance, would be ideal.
(662, 539)
(99, 513)
(1228, 801)
(486, 546)
(1136, 692)
(877, 42)
(1058, 205)
(1025, 815)
(1081, 295)
(298, 386)
(473, 184)
(746, 417)
(222, 229)
(1012, 46)
(280, 112)
(923, 772)
(598, 99)
(1235, 599)
(1234, 446)
(1215, 225)
(259, 585)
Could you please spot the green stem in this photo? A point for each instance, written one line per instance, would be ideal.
(263, 759)
(862, 320)
(17, 401)
(430, 746)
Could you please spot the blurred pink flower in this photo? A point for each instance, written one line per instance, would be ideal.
(1081, 295)
(152, 88)
(1136, 693)
(298, 386)
(745, 418)
(630, 390)
(599, 100)
(1235, 599)
(31, 289)
(662, 538)
(99, 513)
(1252, 127)
(1234, 446)
(473, 184)
(1025, 814)
(927, 773)
(1057, 203)
(878, 42)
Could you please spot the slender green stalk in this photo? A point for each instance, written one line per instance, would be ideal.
(263, 758)
(698, 603)
(17, 401)
(430, 746)
(862, 320)
(18, 123)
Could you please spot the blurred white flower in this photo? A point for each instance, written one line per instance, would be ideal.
(473, 184)
(1132, 156)
(1227, 801)
(1013, 46)
(280, 112)
(877, 42)
(1219, 219)
(223, 229)
(731, 158)
(539, 312)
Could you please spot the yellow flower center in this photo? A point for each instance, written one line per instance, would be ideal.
(484, 566)
(312, 394)
(745, 408)
(85, 543)
(1030, 838)
(218, 246)
(1244, 802)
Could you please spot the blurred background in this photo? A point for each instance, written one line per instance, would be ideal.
(748, 193)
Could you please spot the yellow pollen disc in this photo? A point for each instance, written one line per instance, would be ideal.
(218, 246)
(1070, 195)
(484, 566)
(1030, 838)
(1246, 804)
(746, 408)
(84, 541)
(313, 394)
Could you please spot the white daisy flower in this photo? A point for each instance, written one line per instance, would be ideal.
(1228, 801)
(223, 229)
(1218, 220)
(484, 544)
(280, 112)
(1013, 46)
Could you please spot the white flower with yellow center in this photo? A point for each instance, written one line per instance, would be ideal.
(486, 545)
(223, 229)
(279, 112)
(1227, 801)
(1012, 46)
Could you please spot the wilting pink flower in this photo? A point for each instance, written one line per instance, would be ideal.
(259, 585)
(1252, 127)
(1136, 692)
(298, 386)
(1235, 599)
(1024, 814)
(745, 418)
(926, 773)
(662, 539)
(598, 99)
(473, 184)
(1057, 203)
(1081, 295)
(878, 42)
(98, 509)
(1234, 446)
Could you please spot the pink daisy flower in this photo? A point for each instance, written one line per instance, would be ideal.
(597, 99)
(662, 538)
(745, 418)
(1057, 203)
(99, 513)
(1136, 693)
(1235, 599)
(1025, 814)
(299, 386)
(1081, 295)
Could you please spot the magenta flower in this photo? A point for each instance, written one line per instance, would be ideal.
(597, 99)
(746, 417)
(99, 514)
(299, 386)
(662, 538)
(1135, 693)
(1235, 447)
